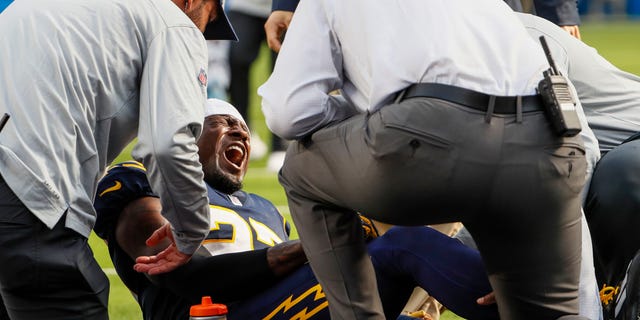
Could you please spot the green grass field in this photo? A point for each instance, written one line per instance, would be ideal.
(618, 41)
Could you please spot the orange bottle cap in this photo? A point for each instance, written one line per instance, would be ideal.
(207, 308)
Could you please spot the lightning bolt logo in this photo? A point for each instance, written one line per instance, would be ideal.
(304, 314)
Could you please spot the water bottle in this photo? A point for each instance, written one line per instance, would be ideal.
(208, 310)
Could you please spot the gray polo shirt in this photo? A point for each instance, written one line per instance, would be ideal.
(610, 97)
(80, 78)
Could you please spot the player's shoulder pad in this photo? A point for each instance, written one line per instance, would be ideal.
(123, 183)
(267, 204)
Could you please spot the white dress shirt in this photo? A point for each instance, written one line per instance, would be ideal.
(373, 49)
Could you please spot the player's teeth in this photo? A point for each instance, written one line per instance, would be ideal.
(237, 148)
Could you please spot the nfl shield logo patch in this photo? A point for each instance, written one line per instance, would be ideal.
(202, 77)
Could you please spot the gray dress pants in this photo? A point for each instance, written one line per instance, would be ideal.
(509, 179)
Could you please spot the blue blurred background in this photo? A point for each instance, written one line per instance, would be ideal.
(609, 9)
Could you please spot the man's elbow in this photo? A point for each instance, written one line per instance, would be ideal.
(282, 128)
(288, 119)
(280, 122)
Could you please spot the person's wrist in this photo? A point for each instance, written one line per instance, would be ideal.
(285, 257)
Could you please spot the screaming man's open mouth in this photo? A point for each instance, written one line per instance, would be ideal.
(235, 155)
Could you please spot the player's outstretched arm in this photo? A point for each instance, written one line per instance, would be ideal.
(225, 277)
(233, 276)
(166, 260)
(142, 219)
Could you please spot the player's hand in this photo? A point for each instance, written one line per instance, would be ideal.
(165, 261)
(275, 27)
(285, 257)
(369, 228)
(489, 299)
(573, 30)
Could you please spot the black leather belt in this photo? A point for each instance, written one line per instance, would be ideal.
(473, 99)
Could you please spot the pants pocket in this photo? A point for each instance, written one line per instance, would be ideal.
(568, 163)
(95, 278)
(390, 136)
(410, 152)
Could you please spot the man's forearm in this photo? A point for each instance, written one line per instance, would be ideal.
(233, 276)
(226, 278)
(286, 257)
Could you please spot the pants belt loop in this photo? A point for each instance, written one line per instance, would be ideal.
(400, 96)
(519, 109)
(490, 107)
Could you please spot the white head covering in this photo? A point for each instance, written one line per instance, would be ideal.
(217, 106)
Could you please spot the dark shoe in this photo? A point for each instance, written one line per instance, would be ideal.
(627, 299)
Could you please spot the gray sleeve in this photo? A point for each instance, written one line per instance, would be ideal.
(592, 148)
(172, 96)
(556, 39)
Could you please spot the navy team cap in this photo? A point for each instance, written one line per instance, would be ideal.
(220, 28)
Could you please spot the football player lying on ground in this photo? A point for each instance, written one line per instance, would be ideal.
(247, 260)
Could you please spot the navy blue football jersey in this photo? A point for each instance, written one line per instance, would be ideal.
(239, 222)
(242, 222)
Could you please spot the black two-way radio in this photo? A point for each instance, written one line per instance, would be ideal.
(559, 102)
